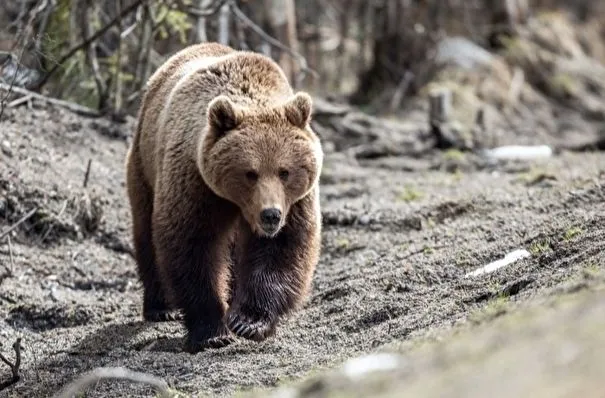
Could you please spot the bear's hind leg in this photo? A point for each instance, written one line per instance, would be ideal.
(155, 308)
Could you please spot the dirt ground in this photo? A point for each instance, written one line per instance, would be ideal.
(549, 347)
(400, 234)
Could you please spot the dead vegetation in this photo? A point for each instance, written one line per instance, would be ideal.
(14, 365)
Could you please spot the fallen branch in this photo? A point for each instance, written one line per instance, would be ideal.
(19, 101)
(79, 109)
(21, 221)
(86, 43)
(99, 374)
(14, 366)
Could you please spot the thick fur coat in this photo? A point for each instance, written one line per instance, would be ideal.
(223, 181)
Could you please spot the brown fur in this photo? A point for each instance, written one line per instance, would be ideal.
(221, 137)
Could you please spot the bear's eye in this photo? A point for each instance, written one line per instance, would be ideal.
(252, 176)
(284, 174)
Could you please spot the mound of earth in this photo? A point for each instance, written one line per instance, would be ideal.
(402, 231)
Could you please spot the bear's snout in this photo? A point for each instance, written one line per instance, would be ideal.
(270, 219)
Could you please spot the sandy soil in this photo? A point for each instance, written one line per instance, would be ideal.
(552, 347)
(400, 235)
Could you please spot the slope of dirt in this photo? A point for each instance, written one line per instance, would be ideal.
(400, 235)
(554, 348)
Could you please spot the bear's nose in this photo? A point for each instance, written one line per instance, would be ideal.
(270, 216)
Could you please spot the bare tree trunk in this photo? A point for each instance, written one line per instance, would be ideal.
(365, 17)
(91, 52)
(200, 26)
(517, 11)
(223, 34)
(345, 13)
(73, 22)
(145, 44)
(281, 17)
(118, 100)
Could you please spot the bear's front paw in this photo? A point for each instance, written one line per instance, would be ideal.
(250, 328)
(196, 343)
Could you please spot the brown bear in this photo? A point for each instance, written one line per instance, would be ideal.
(223, 182)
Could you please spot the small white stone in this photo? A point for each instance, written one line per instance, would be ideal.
(6, 148)
(364, 220)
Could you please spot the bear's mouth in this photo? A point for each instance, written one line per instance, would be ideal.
(270, 230)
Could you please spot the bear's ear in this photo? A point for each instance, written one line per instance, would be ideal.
(298, 109)
(223, 115)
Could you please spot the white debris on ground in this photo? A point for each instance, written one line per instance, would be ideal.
(503, 262)
(520, 152)
(360, 366)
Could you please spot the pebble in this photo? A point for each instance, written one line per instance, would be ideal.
(364, 220)
(6, 148)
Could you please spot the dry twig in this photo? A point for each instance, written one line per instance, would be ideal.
(21, 221)
(99, 374)
(14, 366)
(87, 174)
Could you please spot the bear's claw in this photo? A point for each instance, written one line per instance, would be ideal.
(162, 316)
(256, 330)
(194, 346)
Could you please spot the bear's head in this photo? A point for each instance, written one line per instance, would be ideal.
(263, 160)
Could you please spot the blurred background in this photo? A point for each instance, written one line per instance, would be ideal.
(377, 54)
